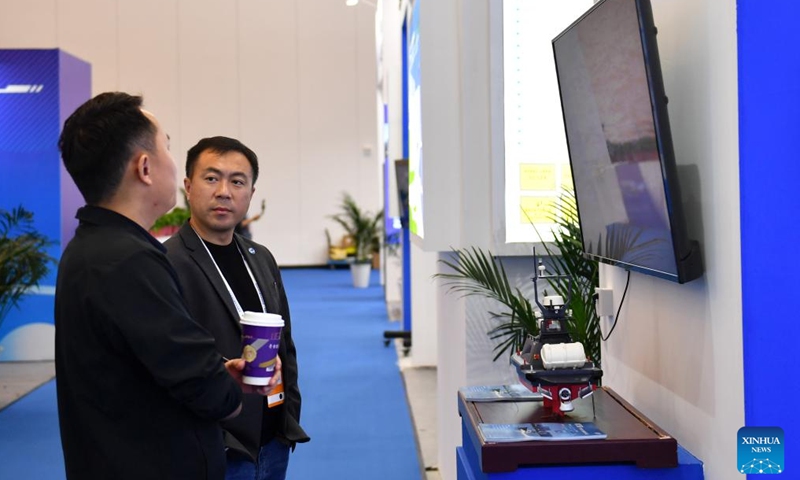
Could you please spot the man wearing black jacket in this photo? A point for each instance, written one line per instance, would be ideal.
(225, 274)
(140, 385)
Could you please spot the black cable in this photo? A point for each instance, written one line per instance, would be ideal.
(616, 317)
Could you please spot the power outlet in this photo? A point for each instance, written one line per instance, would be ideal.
(605, 302)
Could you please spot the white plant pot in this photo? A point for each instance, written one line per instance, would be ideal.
(360, 273)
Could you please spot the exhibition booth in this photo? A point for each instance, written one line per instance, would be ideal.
(487, 155)
(39, 89)
(497, 108)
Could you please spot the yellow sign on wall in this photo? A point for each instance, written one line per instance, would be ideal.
(537, 209)
(537, 176)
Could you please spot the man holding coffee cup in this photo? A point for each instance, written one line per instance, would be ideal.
(233, 287)
(141, 386)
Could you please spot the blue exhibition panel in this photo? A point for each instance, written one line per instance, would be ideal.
(769, 106)
(39, 89)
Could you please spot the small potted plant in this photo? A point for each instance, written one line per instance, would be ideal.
(365, 230)
(168, 224)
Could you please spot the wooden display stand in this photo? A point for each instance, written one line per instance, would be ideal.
(633, 442)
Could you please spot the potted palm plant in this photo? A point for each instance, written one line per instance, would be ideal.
(364, 229)
(476, 272)
(24, 261)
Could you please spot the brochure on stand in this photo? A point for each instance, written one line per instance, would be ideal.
(550, 432)
(499, 393)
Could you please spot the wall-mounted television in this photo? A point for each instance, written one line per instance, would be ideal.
(619, 142)
(401, 175)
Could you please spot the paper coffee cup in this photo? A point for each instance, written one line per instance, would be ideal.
(261, 337)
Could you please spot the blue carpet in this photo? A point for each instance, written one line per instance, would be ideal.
(354, 405)
(30, 446)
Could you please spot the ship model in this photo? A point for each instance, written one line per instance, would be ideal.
(551, 363)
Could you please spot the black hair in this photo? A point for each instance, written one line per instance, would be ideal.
(98, 140)
(221, 146)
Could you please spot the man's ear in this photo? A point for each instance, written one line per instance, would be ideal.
(143, 166)
(187, 186)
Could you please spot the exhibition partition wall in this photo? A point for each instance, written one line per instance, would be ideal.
(769, 102)
(39, 89)
(696, 395)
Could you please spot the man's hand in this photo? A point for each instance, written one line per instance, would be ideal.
(235, 368)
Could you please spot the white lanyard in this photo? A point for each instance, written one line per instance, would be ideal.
(230, 290)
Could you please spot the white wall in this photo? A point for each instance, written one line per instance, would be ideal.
(391, 18)
(294, 80)
(457, 175)
(677, 353)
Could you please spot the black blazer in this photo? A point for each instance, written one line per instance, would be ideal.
(211, 305)
(140, 385)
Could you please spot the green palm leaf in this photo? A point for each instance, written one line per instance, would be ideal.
(567, 260)
(476, 272)
(23, 259)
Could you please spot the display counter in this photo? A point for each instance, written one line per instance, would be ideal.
(636, 448)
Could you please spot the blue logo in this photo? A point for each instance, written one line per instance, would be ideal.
(760, 450)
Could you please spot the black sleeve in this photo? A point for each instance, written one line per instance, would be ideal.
(287, 350)
(150, 316)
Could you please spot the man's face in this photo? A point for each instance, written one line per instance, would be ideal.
(165, 174)
(219, 191)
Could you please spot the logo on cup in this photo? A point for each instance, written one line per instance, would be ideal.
(760, 450)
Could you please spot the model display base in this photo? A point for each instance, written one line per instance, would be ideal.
(689, 468)
(632, 438)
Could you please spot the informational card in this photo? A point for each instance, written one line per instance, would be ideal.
(548, 432)
(499, 393)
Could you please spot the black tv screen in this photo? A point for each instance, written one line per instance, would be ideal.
(401, 176)
(619, 141)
